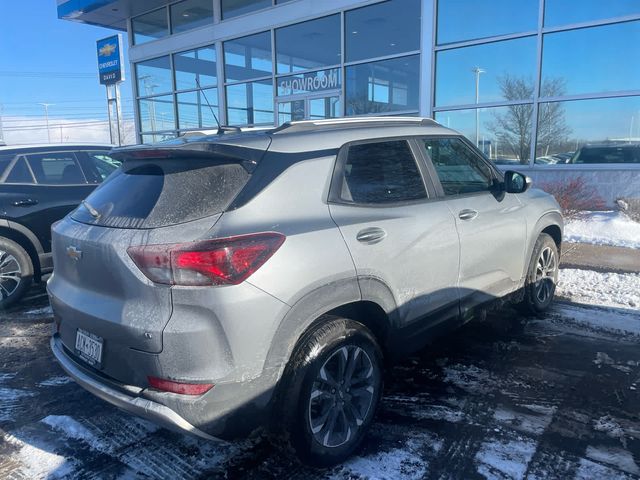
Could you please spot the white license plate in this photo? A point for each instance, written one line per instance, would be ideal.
(89, 347)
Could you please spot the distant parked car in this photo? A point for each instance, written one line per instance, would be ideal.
(222, 283)
(38, 186)
(608, 153)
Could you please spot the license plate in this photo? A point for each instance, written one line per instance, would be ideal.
(89, 347)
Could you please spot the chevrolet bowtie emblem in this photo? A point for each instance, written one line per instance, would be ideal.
(74, 253)
(107, 49)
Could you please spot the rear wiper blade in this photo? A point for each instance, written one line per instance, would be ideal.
(94, 213)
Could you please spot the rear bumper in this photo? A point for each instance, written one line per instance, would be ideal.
(124, 396)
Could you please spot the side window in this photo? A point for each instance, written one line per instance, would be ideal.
(20, 173)
(98, 166)
(59, 168)
(381, 172)
(459, 169)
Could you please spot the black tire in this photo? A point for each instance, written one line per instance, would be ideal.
(321, 349)
(536, 301)
(13, 285)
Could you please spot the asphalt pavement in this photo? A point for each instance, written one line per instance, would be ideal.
(505, 398)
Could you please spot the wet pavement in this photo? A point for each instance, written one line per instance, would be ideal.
(548, 398)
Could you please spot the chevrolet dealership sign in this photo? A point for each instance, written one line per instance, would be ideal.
(110, 60)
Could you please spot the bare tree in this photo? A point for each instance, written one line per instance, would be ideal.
(512, 128)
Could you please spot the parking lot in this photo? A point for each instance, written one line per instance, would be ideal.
(551, 398)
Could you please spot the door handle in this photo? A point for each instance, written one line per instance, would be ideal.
(25, 202)
(371, 235)
(467, 214)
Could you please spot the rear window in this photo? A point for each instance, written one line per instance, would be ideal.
(152, 194)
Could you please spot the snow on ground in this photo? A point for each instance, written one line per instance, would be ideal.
(404, 463)
(604, 228)
(44, 311)
(55, 381)
(609, 320)
(505, 458)
(37, 460)
(602, 289)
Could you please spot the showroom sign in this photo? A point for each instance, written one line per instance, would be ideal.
(310, 82)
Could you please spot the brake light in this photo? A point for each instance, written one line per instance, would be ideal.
(223, 261)
(179, 387)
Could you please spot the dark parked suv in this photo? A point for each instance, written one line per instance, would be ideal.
(39, 185)
(227, 282)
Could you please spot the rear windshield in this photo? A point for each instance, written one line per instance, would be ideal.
(152, 194)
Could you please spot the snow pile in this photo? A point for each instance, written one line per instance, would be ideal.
(604, 228)
(603, 289)
(608, 320)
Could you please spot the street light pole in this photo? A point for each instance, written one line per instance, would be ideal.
(46, 117)
(477, 71)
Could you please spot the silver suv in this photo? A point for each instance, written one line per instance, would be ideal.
(222, 283)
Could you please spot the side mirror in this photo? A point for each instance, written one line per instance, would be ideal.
(515, 182)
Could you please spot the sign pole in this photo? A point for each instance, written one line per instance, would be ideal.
(118, 114)
(109, 114)
(111, 74)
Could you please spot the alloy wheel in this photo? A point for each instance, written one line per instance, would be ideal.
(546, 271)
(341, 396)
(10, 274)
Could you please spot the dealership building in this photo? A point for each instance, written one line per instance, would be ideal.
(552, 86)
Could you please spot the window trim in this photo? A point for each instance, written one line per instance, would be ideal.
(86, 157)
(337, 177)
(10, 168)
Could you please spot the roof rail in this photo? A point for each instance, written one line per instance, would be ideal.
(304, 125)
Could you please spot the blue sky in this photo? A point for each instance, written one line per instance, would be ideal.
(43, 59)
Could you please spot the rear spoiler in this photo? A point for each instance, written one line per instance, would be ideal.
(245, 149)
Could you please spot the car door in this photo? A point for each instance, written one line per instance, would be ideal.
(44, 187)
(397, 234)
(490, 222)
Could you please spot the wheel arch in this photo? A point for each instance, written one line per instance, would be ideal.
(550, 223)
(374, 307)
(25, 238)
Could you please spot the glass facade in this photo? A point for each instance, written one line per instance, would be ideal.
(308, 45)
(526, 81)
(234, 8)
(585, 70)
(383, 87)
(384, 29)
(551, 89)
(498, 65)
(195, 68)
(247, 58)
(154, 76)
(190, 14)
(250, 103)
(175, 18)
(563, 12)
(150, 26)
(461, 20)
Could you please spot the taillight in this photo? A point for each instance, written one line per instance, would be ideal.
(179, 387)
(223, 261)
